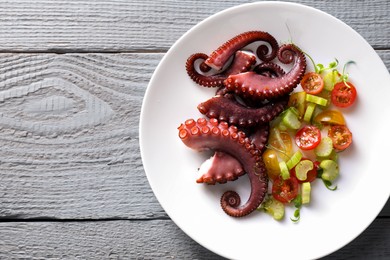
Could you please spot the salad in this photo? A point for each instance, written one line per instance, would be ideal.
(307, 139)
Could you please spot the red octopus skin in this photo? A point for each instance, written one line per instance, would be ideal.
(242, 62)
(220, 56)
(269, 69)
(257, 86)
(227, 109)
(223, 167)
(204, 134)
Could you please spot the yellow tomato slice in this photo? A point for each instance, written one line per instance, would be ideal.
(281, 142)
(297, 100)
(330, 117)
(271, 162)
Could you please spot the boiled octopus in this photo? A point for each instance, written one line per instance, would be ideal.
(247, 99)
(223, 167)
(242, 62)
(228, 109)
(259, 86)
(220, 56)
(210, 134)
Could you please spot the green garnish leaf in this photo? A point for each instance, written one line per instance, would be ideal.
(319, 67)
(328, 185)
(344, 76)
(297, 201)
(297, 216)
(319, 172)
(333, 64)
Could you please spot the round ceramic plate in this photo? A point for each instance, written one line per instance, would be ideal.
(332, 219)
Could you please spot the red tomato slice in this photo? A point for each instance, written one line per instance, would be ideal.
(312, 83)
(343, 95)
(341, 137)
(285, 190)
(308, 137)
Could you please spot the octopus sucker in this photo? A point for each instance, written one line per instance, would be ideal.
(264, 86)
(220, 56)
(237, 145)
(242, 62)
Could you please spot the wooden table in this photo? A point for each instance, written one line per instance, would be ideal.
(72, 78)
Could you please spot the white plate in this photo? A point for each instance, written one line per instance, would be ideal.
(333, 219)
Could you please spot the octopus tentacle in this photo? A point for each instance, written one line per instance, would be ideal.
(203, 80)
(269, 69)
(259, 137)
(220, 56)
(227, 109)
(222, 167)
(242, 62)
(206, 134)
(259, 86)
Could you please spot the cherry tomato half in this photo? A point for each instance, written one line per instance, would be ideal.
(285, 190)
(308, 137)
(270, 158)
(343, 95)
(330, 117)
(282, 142)
(312, 83)
(341, 137)
(311, 175)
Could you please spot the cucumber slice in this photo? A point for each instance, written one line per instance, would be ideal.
(284, 170)
(294, 160)
(316, 99)
(309, 112)
(330, 170)
(325, 148)
(330, 79)
(306, 190)
(302, 168)
(290, 119)
(274, 207)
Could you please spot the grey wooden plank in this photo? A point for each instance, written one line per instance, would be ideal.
(153, 239)
(121, 25)
(82, 171)
(69, 136)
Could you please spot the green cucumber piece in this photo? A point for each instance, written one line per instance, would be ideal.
(325, 147)
(302, 168)
(284, 170)
(316, 99)
(294, 160)
(330, 79)
(306, 190)
(274, 207)
(309, 112)
(290, 119)
(330, 170)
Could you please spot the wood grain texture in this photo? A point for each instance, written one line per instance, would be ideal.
(122, 25)
(153, 239)
(69, 136)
